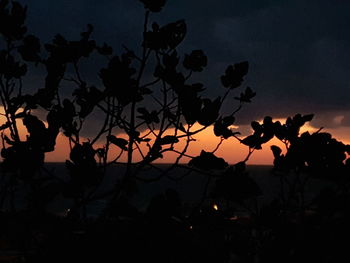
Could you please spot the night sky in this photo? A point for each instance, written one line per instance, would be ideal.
(298, 50)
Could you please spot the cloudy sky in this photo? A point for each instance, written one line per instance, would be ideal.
(298, 50)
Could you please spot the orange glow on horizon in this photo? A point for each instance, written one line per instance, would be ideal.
(231, 149)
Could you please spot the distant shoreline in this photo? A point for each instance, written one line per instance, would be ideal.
(266, 165)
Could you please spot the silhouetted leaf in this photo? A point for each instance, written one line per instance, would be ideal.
(208, 161)
(166, 37)
(209, 112)
(147, 116)
(190, 103)
(82, 168)
(120, 142)
(246, 96)
(36, 128)
(174, 33)
(87, 98)
(276, 151)
(168, 139)
(252, 141)
(234, 75)
(256, 126)
(182, 128)
(81, 153)
(221, 127)
(280, 130)
(308, 117)
(228, 120)
(196, 61)
(118, 80)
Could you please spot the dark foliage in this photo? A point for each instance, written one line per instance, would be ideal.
(150, 118)
(208, 161)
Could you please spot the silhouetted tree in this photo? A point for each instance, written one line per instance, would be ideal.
(149, 105)
(167, 107)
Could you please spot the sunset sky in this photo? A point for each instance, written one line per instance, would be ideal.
(298, 53)
(231, 150)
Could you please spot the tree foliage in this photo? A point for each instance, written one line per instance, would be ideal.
(149, 106)
(170, 106)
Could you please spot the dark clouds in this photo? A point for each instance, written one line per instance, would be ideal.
(298, 50)
(299, 54)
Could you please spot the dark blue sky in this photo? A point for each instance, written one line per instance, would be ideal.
(299, 50)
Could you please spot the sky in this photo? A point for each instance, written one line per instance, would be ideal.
(298, 50)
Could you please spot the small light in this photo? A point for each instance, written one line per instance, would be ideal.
(215, 207)
(191, 227)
